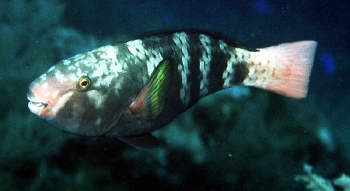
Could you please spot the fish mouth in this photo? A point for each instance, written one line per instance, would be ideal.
(37, 104)
(34, 105)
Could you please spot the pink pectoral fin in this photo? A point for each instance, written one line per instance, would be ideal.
(143, 141)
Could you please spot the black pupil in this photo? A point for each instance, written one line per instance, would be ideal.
(84, 83)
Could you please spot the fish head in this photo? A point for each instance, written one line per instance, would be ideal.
(85, 94)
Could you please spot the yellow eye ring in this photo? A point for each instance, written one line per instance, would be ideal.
(83, 83)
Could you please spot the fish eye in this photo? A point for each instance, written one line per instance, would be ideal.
(83, 83)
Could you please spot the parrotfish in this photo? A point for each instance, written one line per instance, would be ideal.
(132, 88)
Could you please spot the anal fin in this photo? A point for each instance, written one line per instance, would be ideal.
(143, 141)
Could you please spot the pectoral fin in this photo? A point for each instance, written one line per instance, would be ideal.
(143, 141)
(151, 100)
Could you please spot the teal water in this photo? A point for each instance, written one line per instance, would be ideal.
(255, 141)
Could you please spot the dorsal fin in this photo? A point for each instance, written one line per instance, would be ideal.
(192, 31)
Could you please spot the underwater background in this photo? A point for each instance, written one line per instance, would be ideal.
(237, 139)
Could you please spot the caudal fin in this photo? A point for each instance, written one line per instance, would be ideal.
(292, 68)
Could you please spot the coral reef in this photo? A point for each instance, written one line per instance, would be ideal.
(316, 182)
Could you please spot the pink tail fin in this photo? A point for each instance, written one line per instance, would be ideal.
(293, 63)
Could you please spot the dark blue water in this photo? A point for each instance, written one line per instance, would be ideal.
(259, 141)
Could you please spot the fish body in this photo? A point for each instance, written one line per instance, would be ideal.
(134, 87)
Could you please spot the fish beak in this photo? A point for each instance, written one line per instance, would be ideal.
(35, 106)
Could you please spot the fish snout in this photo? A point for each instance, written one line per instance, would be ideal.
(35, 106)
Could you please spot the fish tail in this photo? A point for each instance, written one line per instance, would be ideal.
(290, 68)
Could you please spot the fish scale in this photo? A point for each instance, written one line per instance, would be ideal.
(134, 87)
(200, 80)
